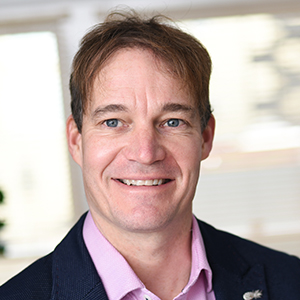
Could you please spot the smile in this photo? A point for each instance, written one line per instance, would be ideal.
(154, 182)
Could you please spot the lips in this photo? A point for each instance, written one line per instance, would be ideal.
(148, 182)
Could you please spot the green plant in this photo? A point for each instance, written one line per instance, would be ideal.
(1, 197)
(2, 224)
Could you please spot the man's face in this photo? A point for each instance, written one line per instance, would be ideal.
(141, 145)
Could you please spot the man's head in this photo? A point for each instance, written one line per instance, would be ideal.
(145, 124)
(185, 57)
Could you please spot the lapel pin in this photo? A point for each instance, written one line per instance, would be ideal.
(252, 295)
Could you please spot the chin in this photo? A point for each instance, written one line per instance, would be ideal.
(144, 222)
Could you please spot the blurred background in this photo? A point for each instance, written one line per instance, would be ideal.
(250, 185)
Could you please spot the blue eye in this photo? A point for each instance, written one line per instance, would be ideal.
(173, 122)
(112, 123)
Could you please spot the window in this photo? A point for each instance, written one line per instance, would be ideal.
(33, 154)
(250, 184)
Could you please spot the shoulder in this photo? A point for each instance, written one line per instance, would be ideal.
(219, 241)
(251, 251)
(222, 245)
(36, 281)
(239, 265)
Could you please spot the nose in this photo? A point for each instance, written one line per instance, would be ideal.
(145, 146)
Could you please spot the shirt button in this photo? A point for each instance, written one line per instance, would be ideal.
(146, 297)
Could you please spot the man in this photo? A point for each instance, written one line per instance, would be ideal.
(141, 124)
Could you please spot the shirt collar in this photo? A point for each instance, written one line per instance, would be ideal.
(109, 263)
(199, 258)
(113, 269)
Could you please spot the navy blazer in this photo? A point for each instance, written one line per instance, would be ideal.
(238, 266)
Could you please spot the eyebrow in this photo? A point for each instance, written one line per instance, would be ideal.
(108, 108)
(169, 107)
(177, 107)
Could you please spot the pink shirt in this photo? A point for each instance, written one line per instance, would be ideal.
(120, 281)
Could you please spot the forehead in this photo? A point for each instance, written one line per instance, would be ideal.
(140, 61)
(135, 72)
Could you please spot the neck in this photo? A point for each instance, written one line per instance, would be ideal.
(155, 256)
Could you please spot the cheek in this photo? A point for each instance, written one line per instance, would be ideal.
(189, 162)
(188, 153)
(99, 153)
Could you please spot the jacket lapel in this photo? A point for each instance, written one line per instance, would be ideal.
(73, 272)
(233, 275)
(229, 286)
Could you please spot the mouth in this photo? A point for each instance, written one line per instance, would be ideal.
(154, 182)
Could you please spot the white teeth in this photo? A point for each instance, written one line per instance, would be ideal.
(143, 182)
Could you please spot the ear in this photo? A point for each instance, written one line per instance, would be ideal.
(74, 140)
(207, 137)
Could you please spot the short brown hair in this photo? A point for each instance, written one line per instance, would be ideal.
(184, 54)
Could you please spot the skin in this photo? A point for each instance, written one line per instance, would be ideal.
(141, 124)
